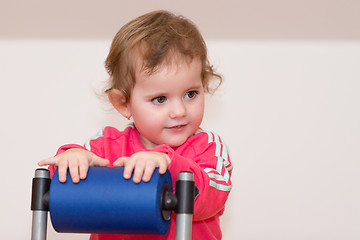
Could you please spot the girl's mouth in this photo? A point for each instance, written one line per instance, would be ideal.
(177, 127)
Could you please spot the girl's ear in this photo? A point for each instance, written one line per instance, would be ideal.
(119, 102)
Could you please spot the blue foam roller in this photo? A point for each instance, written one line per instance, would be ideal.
(105, 202)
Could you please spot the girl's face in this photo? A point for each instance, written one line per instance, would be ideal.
(168, 106)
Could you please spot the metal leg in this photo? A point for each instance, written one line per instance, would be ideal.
(183, 226)
(39, 225)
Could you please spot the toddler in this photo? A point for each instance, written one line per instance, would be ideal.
(159, 72)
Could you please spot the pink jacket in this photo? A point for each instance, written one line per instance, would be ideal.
(204, 154)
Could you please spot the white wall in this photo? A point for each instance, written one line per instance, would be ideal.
(294, 108)
(288, 110)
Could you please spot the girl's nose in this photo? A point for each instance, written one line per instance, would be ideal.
(177, 109)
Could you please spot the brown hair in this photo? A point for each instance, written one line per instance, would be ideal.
(154, 37)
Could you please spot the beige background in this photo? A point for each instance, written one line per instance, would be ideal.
(229, 19)
(288, 109)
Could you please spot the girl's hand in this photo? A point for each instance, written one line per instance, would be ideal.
(143, 164)
(77, 161)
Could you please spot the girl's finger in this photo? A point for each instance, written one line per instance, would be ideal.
(120, 162)
(83, 168)
(128, 168)
(48, 161)
(163, 164)
(162, 168)
(138, 171)
(74, 171)
(98, 161)
(149, 170)
(62, 170)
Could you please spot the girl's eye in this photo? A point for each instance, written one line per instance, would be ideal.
(190, 94)
(158, 100)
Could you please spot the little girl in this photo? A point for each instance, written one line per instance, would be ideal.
(159, 73)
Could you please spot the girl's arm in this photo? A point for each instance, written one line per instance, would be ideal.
(212, 169)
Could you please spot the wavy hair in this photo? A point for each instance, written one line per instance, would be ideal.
(155, 38)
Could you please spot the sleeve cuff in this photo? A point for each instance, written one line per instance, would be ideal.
(163, 148)
(68, 146)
